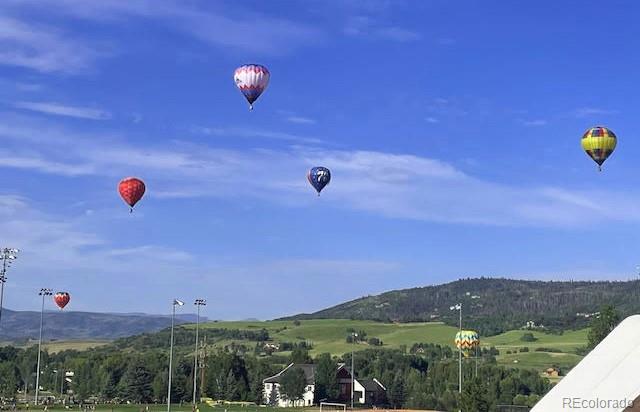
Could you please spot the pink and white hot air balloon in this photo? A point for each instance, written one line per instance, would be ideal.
(252, 80)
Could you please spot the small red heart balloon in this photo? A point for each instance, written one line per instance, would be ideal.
(61, 299)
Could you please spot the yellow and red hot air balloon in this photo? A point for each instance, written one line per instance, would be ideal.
(599, 142)
(61, 299)
(467, 341)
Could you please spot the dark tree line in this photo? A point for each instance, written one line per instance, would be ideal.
(425, 377)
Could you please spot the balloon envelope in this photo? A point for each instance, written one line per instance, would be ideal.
(319, 177)
(252, 80)
(61, 299)
(131, 189)
(599, 142)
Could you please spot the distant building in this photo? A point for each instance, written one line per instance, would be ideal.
(366, 391)
(552, 373)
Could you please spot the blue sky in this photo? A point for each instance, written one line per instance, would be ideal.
(452, 132)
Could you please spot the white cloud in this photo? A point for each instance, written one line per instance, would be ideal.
(366, 26)
(398, 34)
(431, 120)
(583, 112)
(446, 41)
(64, 110)
(42, 48)
(249, 133)
(534, 123)
(300, 120)
(384, 184)
(244, 29)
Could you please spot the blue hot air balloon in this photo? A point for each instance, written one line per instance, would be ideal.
(319, 177)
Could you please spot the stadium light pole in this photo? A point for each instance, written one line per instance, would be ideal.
(7, 255)
(198, 303)
(44, 292)
(175, 303)
(458, 307)
(353, 370)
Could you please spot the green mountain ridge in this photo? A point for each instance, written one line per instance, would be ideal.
(493, 305)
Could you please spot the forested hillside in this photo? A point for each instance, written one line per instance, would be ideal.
(493, 305)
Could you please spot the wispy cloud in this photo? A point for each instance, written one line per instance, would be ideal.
(244, 29)
(300, 120)
(445, 41)
(366, 26)
(431, 120)
(403, 186)
(398, 34)
(260, 134)
(43, 48)
(64, 110)
(534, 123)
(583, 112)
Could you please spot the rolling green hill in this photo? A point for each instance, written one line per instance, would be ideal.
(492, 306)
(329, 335)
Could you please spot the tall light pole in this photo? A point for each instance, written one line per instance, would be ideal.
(7, 255)
(354, 336)
(175, 303)
(458, 307)
(198, 303)
(44, 292)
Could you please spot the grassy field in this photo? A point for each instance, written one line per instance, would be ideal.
(59, 346)
(329, 335)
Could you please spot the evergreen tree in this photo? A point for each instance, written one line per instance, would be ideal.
(300, 355)
(475, 397)
(136, 383)
(9, 380)
(326, 378)
(397, 391)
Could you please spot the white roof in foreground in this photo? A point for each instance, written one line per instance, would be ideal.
(606, 380)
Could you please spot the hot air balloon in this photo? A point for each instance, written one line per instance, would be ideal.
(251, 79)
(61, 299)
(467, 340)
(131, 189)
(599, 142)
(319, 177)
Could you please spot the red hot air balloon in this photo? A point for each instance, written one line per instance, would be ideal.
(131, 189)
(61, 299)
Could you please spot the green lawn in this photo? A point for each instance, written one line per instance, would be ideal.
(539, 360)
(186, 407)
(329, 335)
(567, 342)
(59, 346)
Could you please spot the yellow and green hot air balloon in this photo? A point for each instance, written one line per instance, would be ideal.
(599, 142)
(467, 341)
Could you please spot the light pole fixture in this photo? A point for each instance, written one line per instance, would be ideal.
(7, 255)
(198, 303)
(458, 307)
(175, 303)
(44, 292)
(354, 336)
